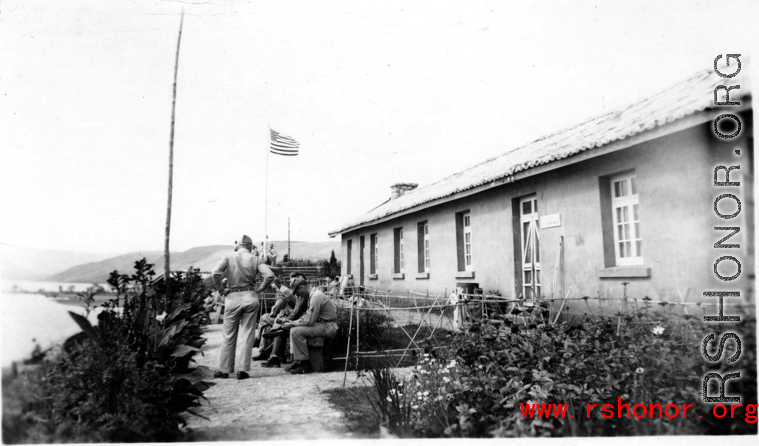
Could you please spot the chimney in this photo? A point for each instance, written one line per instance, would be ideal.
(399, 189)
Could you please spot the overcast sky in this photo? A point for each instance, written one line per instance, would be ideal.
(375, 92)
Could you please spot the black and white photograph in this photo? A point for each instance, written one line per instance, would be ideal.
(358, 221)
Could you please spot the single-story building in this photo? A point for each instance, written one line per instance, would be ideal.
(625, 197)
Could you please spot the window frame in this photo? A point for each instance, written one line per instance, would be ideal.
(466, 218)
(401, 250)
(426, 247)
(626, 207)
(398, 260)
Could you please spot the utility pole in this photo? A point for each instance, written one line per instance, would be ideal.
(288, 238)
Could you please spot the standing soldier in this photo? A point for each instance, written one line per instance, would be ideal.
(240, 305)
(272, 256)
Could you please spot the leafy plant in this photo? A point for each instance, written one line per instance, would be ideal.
(392, 402)
(117, 380)
(649, 357)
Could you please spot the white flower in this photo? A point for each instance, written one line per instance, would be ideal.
(415, 407)
(426, 355)
(479, 366)
(161, 317)
(439, 398)
(658, 330)
(640, 370)
(446, 379)
(418, 393)
(400, 395)
(426, 392)
(389, 399)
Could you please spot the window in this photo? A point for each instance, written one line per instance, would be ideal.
(348, 263)
(426, 247)
(398, 250)
(467, 241)
(401, 232)
(628, 245)
(373, 254)
(464, 241)
(423, 246)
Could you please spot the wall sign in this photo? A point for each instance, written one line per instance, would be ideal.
(550, 221)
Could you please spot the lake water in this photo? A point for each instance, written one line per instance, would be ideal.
(30, 286)
(30, 319)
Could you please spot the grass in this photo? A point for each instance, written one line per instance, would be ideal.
(353, 402)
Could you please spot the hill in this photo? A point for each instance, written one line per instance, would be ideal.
(203, 257)
(24, 263)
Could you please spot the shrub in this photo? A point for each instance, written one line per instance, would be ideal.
(478, 387)
(116, 381)
(376, 328)
(377, 333)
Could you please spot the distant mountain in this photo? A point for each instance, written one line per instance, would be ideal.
(203, 257)
(23, 263)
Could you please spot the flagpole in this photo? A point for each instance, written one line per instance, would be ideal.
(166, 265)
(266, 199)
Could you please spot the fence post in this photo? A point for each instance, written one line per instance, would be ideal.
(358, 330)
(348, 349)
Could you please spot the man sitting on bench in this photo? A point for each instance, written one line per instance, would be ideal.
(320, 321)
(287, 307)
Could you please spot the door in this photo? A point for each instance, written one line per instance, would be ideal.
(530, 238)
(361, 260)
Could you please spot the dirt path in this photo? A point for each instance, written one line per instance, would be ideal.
(271, 404)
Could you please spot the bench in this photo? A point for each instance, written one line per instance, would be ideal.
(315, 346)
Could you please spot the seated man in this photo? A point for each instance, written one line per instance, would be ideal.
(320, 321)
(275, 351)
(287, 305)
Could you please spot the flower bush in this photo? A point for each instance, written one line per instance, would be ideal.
(477, 386)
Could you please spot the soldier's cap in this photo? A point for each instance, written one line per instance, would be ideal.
(246, 240)
(296, 282)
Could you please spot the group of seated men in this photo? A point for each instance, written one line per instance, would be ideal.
(301, 311)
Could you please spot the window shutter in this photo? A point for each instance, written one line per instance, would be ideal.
(460, 241)
(420, 246)
(350, 248)
(397, 250)
(372, 253)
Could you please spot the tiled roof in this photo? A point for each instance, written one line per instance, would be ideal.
(685, 98)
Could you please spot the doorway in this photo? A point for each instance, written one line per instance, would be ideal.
(529, 227)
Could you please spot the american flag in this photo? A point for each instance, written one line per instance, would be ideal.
(283, 145)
